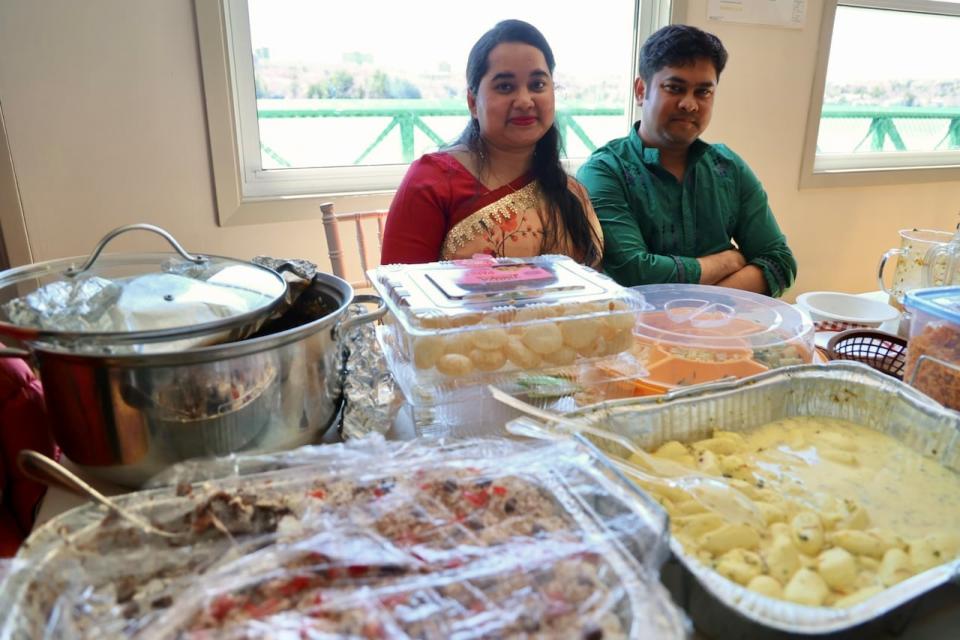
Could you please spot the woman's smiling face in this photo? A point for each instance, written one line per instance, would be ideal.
(514, 103)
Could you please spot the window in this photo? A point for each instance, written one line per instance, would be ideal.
(311, 99)
(891, 90)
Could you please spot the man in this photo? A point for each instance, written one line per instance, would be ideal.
(674, 208)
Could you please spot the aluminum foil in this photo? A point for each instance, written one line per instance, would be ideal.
(844, 390)
(81, 304)
(303, 269)
(372, 399)
(297, 273)
(187, 268)
(371, 396)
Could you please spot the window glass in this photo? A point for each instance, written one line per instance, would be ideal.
(381, 82)
(893, 82)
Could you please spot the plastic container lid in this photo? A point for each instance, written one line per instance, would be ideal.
(694, 333)
(487, 320)
(943, 302)
(131, 298)
(423, 296)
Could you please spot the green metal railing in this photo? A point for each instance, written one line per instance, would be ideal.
(408, 116)
(883, 126)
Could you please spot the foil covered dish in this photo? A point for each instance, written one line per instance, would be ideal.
(806, 500)
(369, 539)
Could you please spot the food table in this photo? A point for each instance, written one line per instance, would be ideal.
(939, 611)
(935, 616)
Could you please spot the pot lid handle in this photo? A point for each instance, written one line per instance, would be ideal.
(73, 271)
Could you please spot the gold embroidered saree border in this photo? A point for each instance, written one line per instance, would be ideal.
(527, 197)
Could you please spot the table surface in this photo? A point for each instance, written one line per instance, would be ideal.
(939, 618)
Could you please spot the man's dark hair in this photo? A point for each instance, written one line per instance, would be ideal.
(679, 45)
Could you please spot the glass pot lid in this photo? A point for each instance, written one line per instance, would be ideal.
(126, 298)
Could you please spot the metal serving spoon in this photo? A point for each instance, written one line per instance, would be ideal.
(51, 473)
(713, 493)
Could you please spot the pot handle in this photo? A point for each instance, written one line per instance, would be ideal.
(14, 353)
(73, 271)
(364, 318)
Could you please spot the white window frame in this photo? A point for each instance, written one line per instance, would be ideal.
(247, 194)
(868, 169)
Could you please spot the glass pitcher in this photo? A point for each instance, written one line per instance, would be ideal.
(911, 260)
(941, 266)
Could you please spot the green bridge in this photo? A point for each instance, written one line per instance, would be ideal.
(408, 116)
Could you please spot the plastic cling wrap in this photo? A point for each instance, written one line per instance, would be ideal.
(366, 540)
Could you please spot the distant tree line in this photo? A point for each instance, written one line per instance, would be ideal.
(343, 84)
(895, 93)
(340, 83)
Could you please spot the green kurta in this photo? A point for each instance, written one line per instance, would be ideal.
(655, 227)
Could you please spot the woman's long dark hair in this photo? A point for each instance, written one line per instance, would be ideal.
(564, 209)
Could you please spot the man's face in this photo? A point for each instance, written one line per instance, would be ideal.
(675, 106)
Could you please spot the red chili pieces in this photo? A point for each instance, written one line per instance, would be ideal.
(476, 498)
(357, 570)
(294, 586)
(222, 606)
(265, 608)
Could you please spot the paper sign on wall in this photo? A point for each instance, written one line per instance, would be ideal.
(791, 14)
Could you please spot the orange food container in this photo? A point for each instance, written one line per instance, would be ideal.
(692, 334)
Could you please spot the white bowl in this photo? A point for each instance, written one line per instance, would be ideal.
(846, 307)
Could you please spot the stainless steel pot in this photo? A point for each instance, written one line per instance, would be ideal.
(126, 417)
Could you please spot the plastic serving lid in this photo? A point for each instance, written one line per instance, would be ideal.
(421, 296)
(943, 302)
(690, 334)
(717, 318)
(133, 297)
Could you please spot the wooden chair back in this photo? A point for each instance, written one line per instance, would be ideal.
(367, 253)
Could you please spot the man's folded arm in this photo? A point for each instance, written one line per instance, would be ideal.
(760, 240)
(626, 256)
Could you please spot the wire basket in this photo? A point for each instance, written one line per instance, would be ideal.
(883, 351)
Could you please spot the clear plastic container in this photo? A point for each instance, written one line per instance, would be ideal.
(933, 352)
(473, 411)
(690, 334)
(370, 539)
(489, 320)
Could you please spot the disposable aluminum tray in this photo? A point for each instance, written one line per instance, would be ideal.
(844, 390)
(607, 515)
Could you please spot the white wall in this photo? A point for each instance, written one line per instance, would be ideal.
(103, 108)
(104, 113)
(837, 233)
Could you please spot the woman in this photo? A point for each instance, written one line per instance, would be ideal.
(500, 189)
(23, 425)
